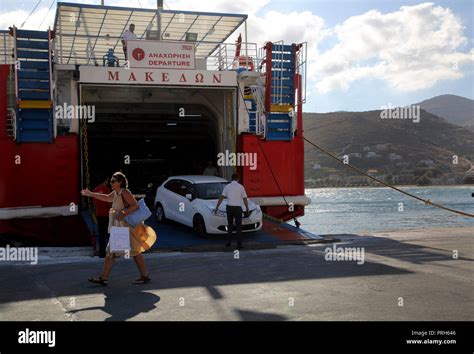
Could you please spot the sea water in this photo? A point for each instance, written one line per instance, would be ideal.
(356, 210)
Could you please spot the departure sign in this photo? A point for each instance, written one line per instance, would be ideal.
(161, 55)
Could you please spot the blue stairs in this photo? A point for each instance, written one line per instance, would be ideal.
(279, 126)
(34, 112)
(280, 118)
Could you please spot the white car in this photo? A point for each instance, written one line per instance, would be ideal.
(191, 200)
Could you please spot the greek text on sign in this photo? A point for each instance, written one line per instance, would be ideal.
(161, 55)
(140, 76)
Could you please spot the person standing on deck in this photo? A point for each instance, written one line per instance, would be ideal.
(235, 194)
(128, 35)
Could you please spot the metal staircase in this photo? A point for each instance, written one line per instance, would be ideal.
(280, 90)
(34, 98)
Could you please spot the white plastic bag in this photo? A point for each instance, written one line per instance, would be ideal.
(119, 239)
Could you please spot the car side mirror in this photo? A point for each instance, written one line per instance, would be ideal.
(189, 196)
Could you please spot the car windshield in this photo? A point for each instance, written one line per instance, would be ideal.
(209, 190)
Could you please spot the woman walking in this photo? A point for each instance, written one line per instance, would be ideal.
(123, 204)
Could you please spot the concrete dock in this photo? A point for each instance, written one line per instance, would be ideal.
(406, 275)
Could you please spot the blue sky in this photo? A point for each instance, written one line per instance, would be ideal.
(372, 94)
(362, 54)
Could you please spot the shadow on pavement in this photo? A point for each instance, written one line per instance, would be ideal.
(404, 251)
(186, 271)
(203, 271)
(122, 305)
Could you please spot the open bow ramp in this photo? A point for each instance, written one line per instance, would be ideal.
(175, 237)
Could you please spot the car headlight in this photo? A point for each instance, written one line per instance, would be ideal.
(219, 212)
(255, 212)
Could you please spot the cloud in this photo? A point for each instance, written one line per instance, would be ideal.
(225, 6)
(17, 17)
(294, 27)
(411, 49)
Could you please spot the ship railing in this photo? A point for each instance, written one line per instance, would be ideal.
(301, 66)
(11, 123)
(222, 58)
(6, 47)
(11, 104)
(226, 57)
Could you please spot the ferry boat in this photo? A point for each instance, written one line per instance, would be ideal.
(75, 105)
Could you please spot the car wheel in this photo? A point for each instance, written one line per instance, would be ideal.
(160, 213)
(199, 226)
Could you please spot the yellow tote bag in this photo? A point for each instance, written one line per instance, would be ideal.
(142, 238)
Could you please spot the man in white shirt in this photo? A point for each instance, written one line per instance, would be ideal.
(235, 194)
(128, 35)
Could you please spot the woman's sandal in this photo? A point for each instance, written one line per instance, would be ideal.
(142, 280)
(98, 280)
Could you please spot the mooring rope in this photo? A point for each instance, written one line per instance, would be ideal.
(426, 201)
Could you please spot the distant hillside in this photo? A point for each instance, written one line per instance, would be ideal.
(455, 109)
(397, 150)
